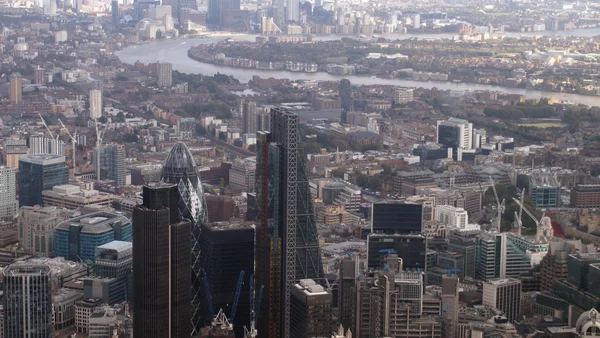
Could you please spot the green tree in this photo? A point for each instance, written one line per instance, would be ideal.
(222, 182)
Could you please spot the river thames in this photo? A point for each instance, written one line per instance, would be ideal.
(175, 52)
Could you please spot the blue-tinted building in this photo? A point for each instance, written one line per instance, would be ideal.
(112, 279)
(78, 238)
(39, 172)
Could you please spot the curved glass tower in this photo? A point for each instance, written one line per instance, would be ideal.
(180, 169)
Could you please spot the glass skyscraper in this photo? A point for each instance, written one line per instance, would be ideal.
(38, 173)
(180, 169)
(287, 248)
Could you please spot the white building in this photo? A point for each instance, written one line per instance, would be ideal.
(165, 74)
(479, 138)
(9, 205)
(503, 294)
(95, 104)
(403, 95)
(455, 218)
(36, 228)
(60, 36)
(41, 144)
(455, 133)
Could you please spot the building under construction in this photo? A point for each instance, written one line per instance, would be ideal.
(287, 248)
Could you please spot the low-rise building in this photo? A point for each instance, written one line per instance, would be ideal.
(63, 307)
(71, 196)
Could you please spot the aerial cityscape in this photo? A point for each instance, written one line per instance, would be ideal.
(299, 169)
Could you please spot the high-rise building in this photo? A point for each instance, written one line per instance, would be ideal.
(9, 205)
(112, 273)
(161, 265)
(27, 301)
(450, 304)
(165, 74)
(95, 104)
(455, 133)
(287, 248)
(77, 238)
(503, 294)
(114, 159)
(249, 117)
(292, 10)
(180, 169)
(397, 217)
(16, 88)
(403, 95)
(38, 173)
(40, 75)
(13, 148)
(347, 282)
(498, 257)
(217, 9)
(36, 228)
(554, 265)
(115, 13)
(226, 250)
(345, 92)
(310, 310)
(42, 144)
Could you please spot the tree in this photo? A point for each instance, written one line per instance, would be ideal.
(339, 173)
(361, 179)
(222, 182)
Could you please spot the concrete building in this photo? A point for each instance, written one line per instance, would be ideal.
(455, 133)
(83, 309)
(95, 104)
(71, 196)
(27, 301)
(454, 218)
(112, 278)
(16, 88)
(242, 175)
(310, 310)
(503, 294)
(585, 196)
(9, 205)
(114, 158)
(544, 189)
(165, 74)
(102, 322)
(249, 117)
(13, 148)
(221, 208)
(38, 173)
(63, 307)
(36, 228)
(403, 95)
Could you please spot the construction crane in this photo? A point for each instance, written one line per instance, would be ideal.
(73, 143)
(499, 205)
(254, 310)
(47, 128)
(99, 137)
(238, 290)
(211, 311)
(543, 225)
(518, 217)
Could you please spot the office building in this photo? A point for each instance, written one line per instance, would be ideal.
(161, 265)
(114, 159)
(310, 310)
(13, 148)
(27, 301)
(292, 10)
(410, 247)
(544, 188)
(96, 101)
(16, 88)
(450, 304)
(112, 273)
(221, 208)
(180, 169)
(455, 133)
(499, 257)
(226, 250)
(71, 196)
(9, 205)
(38, 173)
(36, 228)
(554, 265)
(77, 238)
(242, 175)
(503, 294)
(165, 74)
(83, 309)
(287, 248)
(42, 144)
(403, 95)
(345, 92)
(103, 322)
(397, 217)
(249, 117)
(404, 178)
(40, 75)
(347, 281)
(585, 196)
(63, 307)
(464, 244)
(454, 218)
(218, 8)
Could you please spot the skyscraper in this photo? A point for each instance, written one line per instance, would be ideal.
(397, 217)
(249, 117)
(165, 74)
(27, 301)
(115, 13)
(455, 133)
(161, 265)
(114, 158)
(95, 104)
(292, 10)
(40, 74)
(228, 249)
(345, 92)
(9, 206)
(180, 169)
(287, 248)
(16, 88)
(38, 173)
(42, 144)
(503, 294)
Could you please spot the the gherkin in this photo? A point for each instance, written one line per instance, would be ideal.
(180, 169)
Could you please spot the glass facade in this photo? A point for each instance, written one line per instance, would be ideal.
(38, 173)
(394, 217)
(449, 136)
(411, 248)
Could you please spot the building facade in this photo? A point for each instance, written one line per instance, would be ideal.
(36, 228)
(38, 173)
(114, 159)
(9, 206)
(165, 74)
(96, 102)
(503, 294)
(16, 88)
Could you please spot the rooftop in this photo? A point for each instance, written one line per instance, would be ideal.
(94, 223)
(42, 159)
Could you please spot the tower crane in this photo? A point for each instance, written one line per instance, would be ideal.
(73, 143)
(254, 310)
(518, 217)
(543, 225)
(47, 128)
(211, 310)
(238, 290)
(501, 206)
(99, 137)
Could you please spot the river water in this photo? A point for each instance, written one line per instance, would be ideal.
(175, 51)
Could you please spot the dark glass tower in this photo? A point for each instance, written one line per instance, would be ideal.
(397, 217)
(161, 265)
(38, 173)
(180, 169)
(27, 301)
(287, 248)
(345, 91)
